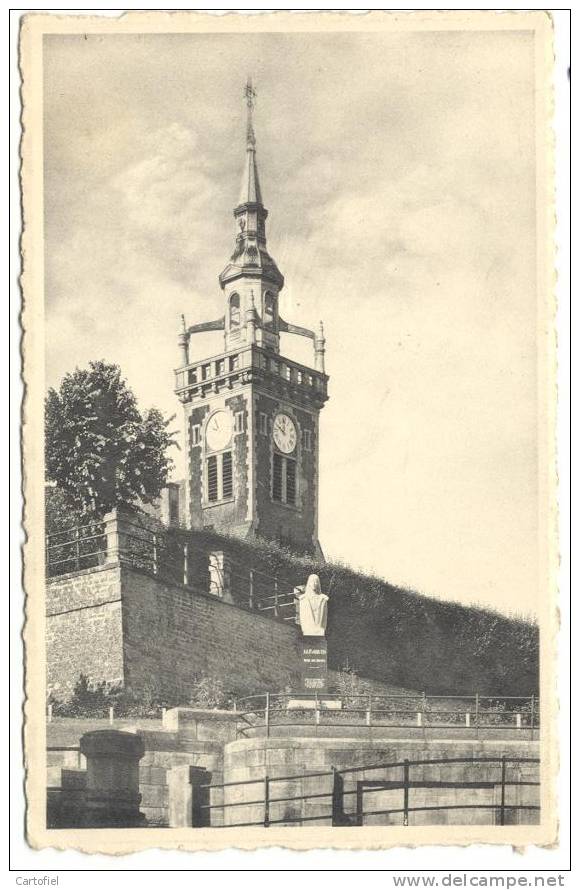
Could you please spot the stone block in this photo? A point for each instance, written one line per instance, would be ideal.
(154, 795)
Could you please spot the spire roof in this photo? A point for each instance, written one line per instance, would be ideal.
(250, 257)
(250, 192)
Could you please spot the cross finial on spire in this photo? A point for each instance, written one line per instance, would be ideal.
(250, 95)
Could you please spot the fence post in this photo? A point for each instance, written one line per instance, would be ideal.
(276, 597)
(78, 547)
(113, 537)
(185, 564)
(532, 714)
(111, 715)
(369, 710)
(502, 805)
(477, 710)
(267, 715)
(467, 719)
(419, 718)
(336, 796)
(406, 792)
(251, 599)
(154, 553)
(518, 721)
(266, 802)
(316, 709)
(49, 714)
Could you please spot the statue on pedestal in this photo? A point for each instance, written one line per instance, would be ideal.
(312, 608)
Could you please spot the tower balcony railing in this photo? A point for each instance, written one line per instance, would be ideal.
(225, 369)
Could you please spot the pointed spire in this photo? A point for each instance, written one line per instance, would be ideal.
(250, 192)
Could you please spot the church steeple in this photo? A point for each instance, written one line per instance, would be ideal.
(250, 191)
(251, 414)
(251, 268)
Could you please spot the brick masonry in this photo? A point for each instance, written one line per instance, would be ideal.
(175, 635)
(121, 625)
(84, 632)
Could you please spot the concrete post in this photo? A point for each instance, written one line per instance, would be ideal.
(112, 789)
(319, 350)
(112, 535)
(220, 575)
(184, 348)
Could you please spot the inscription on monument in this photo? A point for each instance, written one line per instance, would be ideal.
(314, 667)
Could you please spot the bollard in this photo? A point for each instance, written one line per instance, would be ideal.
(468, 719)
(49, 714)
(518, 721)
(419, 718)
(112, 789)
(111, 715)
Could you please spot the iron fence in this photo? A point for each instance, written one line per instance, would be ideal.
(345, 806)
(270, 714)
(173, 558)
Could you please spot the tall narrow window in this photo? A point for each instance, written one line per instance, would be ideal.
(239, 422)
(220, 477)
(277, 487)
(212, 478)
(234, 311)
(269, 310)
(284, 480)
(227, 478)
(290, 481)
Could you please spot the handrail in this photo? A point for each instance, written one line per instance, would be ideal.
(337, 793)
(267, 712)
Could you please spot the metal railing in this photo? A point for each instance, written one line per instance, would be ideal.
(345, 806)
(172, 557)
(270, 714)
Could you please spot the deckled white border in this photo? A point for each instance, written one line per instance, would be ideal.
(301, 838)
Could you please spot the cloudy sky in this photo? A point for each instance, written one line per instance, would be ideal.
(398, 170)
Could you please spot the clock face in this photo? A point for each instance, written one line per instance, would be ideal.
(219, 430)
(285, 433)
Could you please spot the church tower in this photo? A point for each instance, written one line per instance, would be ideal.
(251, 415)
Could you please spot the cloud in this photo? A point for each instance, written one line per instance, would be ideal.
(399, 175)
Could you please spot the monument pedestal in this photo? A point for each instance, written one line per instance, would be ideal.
(314, 666)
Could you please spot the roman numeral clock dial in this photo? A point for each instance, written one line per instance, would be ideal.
(284, 433)
(219, 431)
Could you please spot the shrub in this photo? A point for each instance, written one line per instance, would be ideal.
(209, 692)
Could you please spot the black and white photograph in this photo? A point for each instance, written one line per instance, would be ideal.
(288, 430)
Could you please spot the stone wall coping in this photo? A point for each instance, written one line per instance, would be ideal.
(173, 717)
(57, 579)
(341, 743)
(112, 743)
(163, 740)
(293, 629)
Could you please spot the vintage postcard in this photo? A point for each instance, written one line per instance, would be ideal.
(289, 356)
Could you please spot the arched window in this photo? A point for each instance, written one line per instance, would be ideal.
(269, 310)
(234, 311)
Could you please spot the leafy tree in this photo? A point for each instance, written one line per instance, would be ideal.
(100, 451)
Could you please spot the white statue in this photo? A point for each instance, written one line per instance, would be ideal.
(312, 608)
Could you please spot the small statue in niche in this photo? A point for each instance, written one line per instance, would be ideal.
(312, 608)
